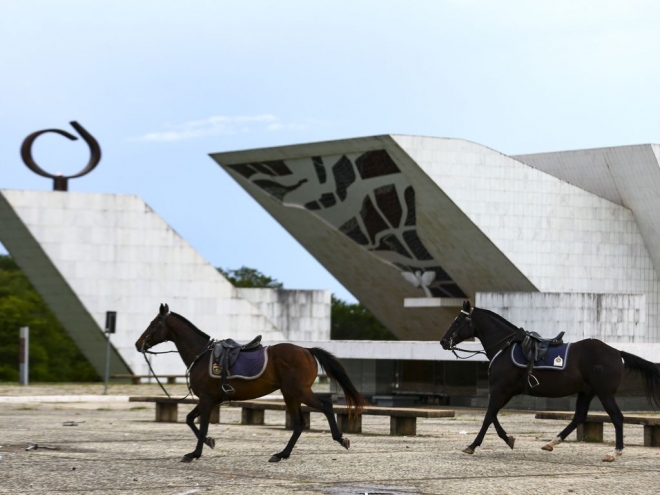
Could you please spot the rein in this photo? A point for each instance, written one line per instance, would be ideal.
(473, 353)
(144, 353)
(209, 346)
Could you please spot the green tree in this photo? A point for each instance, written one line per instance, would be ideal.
(53, 354)
(250, 278)
(355, 322)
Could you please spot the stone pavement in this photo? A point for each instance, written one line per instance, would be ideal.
(117, 448)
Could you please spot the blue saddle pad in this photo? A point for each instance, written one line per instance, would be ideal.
(248, 365)
(555, 359)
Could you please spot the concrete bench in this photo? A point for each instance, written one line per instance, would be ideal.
(167, 408)
(137, 379)
(592, 429)
(403, 420)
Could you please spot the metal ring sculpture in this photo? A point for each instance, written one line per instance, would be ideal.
(60, 183)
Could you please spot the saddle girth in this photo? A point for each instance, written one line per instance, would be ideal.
(225, 354)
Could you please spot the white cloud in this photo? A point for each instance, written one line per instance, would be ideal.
(218, 125)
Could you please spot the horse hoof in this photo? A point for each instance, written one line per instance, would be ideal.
(468, 450)
(186, 458)
(210, 442)
(346, 443)
(274, 459)
(609, 458)
(548, 447)
(511, 441)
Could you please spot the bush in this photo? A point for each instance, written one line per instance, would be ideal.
(54, 356)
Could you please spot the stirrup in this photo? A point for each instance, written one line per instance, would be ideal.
(529, 381)
(228, 389)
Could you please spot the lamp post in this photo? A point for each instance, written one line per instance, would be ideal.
(110, 323)
(24, 355)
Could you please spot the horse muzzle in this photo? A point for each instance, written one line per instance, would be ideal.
(142, 346)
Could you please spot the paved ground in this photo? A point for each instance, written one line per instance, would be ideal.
(117, 448)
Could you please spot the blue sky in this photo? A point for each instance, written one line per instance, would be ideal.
(161, 84)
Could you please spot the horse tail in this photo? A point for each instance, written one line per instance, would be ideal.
(649, 371)
(337, 373)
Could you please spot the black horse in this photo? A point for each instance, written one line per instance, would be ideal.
(290, 368)
(592, 369)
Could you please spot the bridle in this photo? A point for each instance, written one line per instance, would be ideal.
(453, 348)
(161, 323)
(468, 319)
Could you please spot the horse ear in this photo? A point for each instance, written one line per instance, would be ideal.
(167, 308)
(466, 305)
(163, 309)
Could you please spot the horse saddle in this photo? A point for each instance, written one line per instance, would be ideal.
(225, 354)
(535, 347)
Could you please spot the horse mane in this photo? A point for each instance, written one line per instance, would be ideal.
(191, 325)
(499, 318)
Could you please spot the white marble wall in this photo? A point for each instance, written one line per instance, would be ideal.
(299, 314)
(563, 238)
(613, 318)
(626, 175)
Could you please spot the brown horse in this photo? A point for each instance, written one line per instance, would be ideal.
(290, 368)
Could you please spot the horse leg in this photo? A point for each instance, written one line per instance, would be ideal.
(612, 409)
(204, 413)
(293, 408)
(325, 406)
(581, 411)
(497, 401)
(509, 440)
(190, 421)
